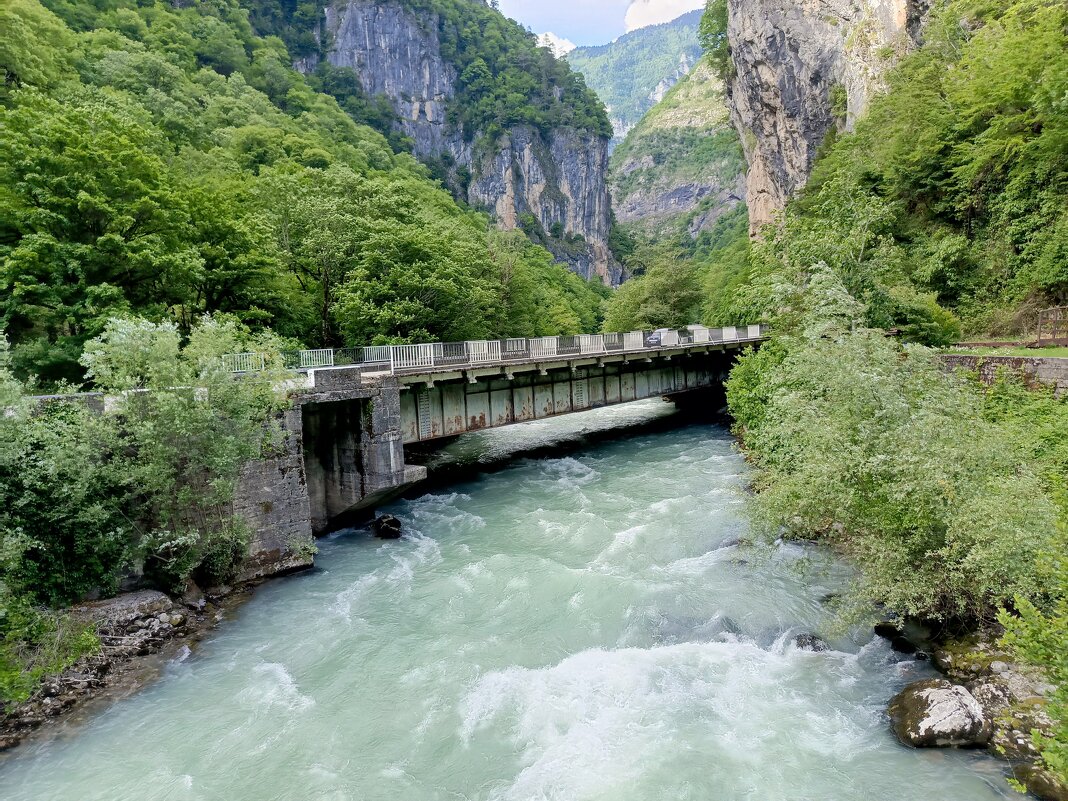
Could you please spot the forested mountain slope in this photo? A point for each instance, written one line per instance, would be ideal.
(633, 73)
(507, 126)
(168, 162)
(681, 167)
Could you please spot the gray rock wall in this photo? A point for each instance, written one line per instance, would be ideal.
(790, 56)
(560, 179)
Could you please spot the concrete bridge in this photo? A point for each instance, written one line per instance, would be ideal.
(358, 408)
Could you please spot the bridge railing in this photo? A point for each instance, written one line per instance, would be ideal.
(407, 358)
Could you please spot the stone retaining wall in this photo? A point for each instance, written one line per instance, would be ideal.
(1049, 370)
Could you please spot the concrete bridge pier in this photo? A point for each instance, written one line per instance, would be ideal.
(354, 454)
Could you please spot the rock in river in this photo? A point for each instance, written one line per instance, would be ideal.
(387, 527)
(935, 712)
(810, 642)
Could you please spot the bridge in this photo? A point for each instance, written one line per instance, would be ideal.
(356, 409)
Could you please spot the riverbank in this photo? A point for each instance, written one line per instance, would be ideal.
(138, 632)
(984, 699)
(136, 643)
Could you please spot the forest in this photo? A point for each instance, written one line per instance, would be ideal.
(168, 162)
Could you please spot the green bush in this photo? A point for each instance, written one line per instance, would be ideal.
(1040, 636)
(870, 446)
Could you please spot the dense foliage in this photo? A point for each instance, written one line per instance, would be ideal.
(678, 279)
(630, 73)
(714, 40)
(1039, 634)
(166, 161)
(872, 446)
(143, 485)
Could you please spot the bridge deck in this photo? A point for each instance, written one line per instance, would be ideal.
(401, 360)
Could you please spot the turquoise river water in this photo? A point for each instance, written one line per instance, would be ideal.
(580, 625)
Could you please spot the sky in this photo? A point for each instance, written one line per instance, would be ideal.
(594, 22)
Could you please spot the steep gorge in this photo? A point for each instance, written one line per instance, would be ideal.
(802, 70)
(549, 180)
(680, 169)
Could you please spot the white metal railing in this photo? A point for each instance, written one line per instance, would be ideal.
(407, 358)
(591, 343)
(376, 353)
(317, 358)
(244, 362)
(482, 352)
(542, 347)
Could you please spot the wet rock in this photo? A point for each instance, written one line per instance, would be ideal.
(218, 592)
(903, 645)
(387, 527)
(1013, 729)
(1041, 782)
(123, 611)
(967, 659)
(810, 642)
(935, 712)
(193, 597)
(993, 696)
(888, 630)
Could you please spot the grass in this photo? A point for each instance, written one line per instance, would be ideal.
(1061, 352)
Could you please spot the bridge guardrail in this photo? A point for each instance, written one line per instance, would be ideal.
(401, 358)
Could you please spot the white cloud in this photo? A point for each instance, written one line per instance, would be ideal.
(557, 44)
(652, 12)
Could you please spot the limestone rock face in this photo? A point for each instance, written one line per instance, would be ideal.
(935, 712)
(805, 67)
(559, 178)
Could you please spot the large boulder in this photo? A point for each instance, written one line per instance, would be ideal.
(935, 712)
(810, 642)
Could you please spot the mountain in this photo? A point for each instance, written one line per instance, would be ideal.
(681, 166)
(633, 73)
(506, 125)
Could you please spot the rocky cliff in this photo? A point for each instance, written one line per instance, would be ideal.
(550, 180)
(803, 69)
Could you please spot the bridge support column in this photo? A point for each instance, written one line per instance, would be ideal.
(354, 454)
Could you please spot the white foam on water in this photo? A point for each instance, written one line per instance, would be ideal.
(273, 686)
(602, 718)
(569, 472)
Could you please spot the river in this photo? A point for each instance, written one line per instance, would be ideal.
(576, 626)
